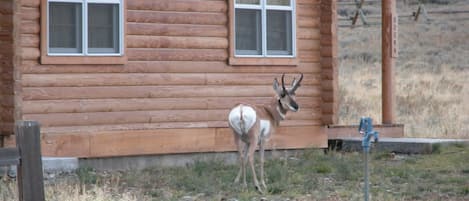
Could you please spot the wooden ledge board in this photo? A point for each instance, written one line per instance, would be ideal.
(170, 141)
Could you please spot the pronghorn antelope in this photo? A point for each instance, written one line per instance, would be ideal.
(254, 125)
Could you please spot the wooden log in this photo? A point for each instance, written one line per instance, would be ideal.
(157, 116)
(308, 45)
(312, 34)
(111, 79)
(127, 117)
(309, 56)
(389, 54)
(178, 5)
(30, 13)
(146, 54)
(176, 42)
(256, 79)
(30, 179)
(308, 10)
(30, 27)
(146, 79)
(29, 40)
(163, 141)
(176, 30)
(31, 3)
(308, 22)
(143, 16)
(308, 2)
(30, 53)
(33, 67)
(147, 104)
(51, 93)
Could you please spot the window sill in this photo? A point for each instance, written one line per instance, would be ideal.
(241, 61)
(83, 60)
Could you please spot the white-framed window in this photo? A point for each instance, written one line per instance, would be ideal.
(265, 28)
(85, 27)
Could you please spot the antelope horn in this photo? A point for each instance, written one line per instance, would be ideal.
(283, 83)
(296, 84)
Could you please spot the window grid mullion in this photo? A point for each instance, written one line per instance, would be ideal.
(85, 27)
(264, 27)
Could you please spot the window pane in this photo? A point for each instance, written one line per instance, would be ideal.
(278, 2)
(248, 32)
(65, 28)
(255, 2)
(103, 28)
(279, 32)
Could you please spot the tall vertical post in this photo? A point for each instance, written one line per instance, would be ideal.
(389, 54)
(30, 178)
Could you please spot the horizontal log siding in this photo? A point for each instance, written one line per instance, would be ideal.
(329, 58)
(6, 68)
(176, 76)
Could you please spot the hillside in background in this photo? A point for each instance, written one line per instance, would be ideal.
(432, 70)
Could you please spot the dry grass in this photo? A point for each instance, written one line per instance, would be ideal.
(308, 176)
(432, 75)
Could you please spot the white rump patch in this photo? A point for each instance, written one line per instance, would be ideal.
(265, 128)
(242, 125)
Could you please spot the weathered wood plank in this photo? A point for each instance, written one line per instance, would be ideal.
(176, 30)
(306, 10)
(143, 16)
(308, 33)
(33, 67)
(147, 104)
(30, 13)
(284, 138)
(147, 79)
(130, 117)
(54, 93)
(177, 42)
(30, 179)
(146, 54)
(163, 141)
(308, 45)
(178, 5)
(29, 40)
(112, 79)
(30, 27)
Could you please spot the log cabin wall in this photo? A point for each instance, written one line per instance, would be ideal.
(173, 93)
(6, 68)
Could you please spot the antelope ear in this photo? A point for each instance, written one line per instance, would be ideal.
(277, 88)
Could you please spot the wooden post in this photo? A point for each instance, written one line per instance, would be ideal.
(30, 179)
(389, 53)
(359, 12)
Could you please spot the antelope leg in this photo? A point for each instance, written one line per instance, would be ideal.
(251, 150)
(261, 153)
(242, 151)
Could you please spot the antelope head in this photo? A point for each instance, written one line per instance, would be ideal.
(286, 95)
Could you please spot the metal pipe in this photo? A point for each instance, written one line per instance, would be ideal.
(366, 188)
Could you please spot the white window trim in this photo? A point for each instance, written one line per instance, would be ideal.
(84, 10)
(263, 7)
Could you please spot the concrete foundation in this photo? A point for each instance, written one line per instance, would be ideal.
(400, 145)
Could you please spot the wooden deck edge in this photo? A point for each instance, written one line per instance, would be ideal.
(387, 130)
(169, 141)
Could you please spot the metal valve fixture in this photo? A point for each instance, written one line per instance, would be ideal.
(366, 129)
